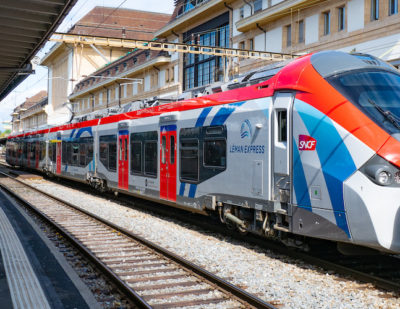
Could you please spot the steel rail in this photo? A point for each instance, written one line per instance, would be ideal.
(223, 284)
(125, 288)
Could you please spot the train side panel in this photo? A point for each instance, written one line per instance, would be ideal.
(240, 176)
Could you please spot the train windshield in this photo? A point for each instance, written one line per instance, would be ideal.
(376, 93)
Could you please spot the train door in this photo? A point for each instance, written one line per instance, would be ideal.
(123, 162)
(168, 162)
(281, 130)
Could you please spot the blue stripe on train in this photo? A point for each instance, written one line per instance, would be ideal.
(203, 115)
(224, 112)
(299, 180)
(182, 189)
(192, 190)
(336, 161)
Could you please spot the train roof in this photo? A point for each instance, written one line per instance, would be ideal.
(326, 63)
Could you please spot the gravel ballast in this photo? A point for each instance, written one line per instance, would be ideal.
(275, 278)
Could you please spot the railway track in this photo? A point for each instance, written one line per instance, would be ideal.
(151, 276)
(382, 271)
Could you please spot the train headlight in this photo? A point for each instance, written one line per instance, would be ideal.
(381, 172)
(383, 178)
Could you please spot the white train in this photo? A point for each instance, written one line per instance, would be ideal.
(312, 151)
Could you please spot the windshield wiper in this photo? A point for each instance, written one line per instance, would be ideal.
(387, 114)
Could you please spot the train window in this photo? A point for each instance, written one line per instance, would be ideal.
(54, 154)
(33, 151)
(136, 157)
(89, 150)
(69, 153)
(172, 150)
(282, 125)
(50, 151)
(108, 151)
(126, 149)
(163, 149)
(82, 154)
(189, 155)
(144, 152)
(121, 150)
(25, 150)
(214, 130)
(112, 156)
(75, 153)
(64, 152)
(104, 153)
(43, 150)
(150, 158)
(214, 153)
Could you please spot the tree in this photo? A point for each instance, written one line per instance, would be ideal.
(5, 133)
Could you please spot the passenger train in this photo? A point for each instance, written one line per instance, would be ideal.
(312, 151)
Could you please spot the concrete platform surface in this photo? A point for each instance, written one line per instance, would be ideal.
(33, 274)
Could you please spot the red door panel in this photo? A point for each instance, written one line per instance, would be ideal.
(58, 159)
(168, 162)
(123, 166)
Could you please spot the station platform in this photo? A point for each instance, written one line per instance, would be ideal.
(33, 274)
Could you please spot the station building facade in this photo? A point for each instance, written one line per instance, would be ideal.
(68, 64)
(140, 75)
(30, 114)
(82, 77)
(281, 26)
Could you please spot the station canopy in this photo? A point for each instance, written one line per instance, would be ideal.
(25, 25)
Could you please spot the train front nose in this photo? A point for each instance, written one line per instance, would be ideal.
(372, 201)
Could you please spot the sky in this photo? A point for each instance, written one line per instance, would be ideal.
(38, 81)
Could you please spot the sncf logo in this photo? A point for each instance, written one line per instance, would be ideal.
(307, 142)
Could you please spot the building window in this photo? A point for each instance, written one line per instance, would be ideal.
(288, 35)
(188, 5)
(201, 70)
(116, 93)
(301, 31)
(327, 23)
(341, 18)
(241, 45)
(251, 44)
(374, 10)
(241, 12)
(101, 98)
(393, 7)
(257, 5)
(124, 90)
